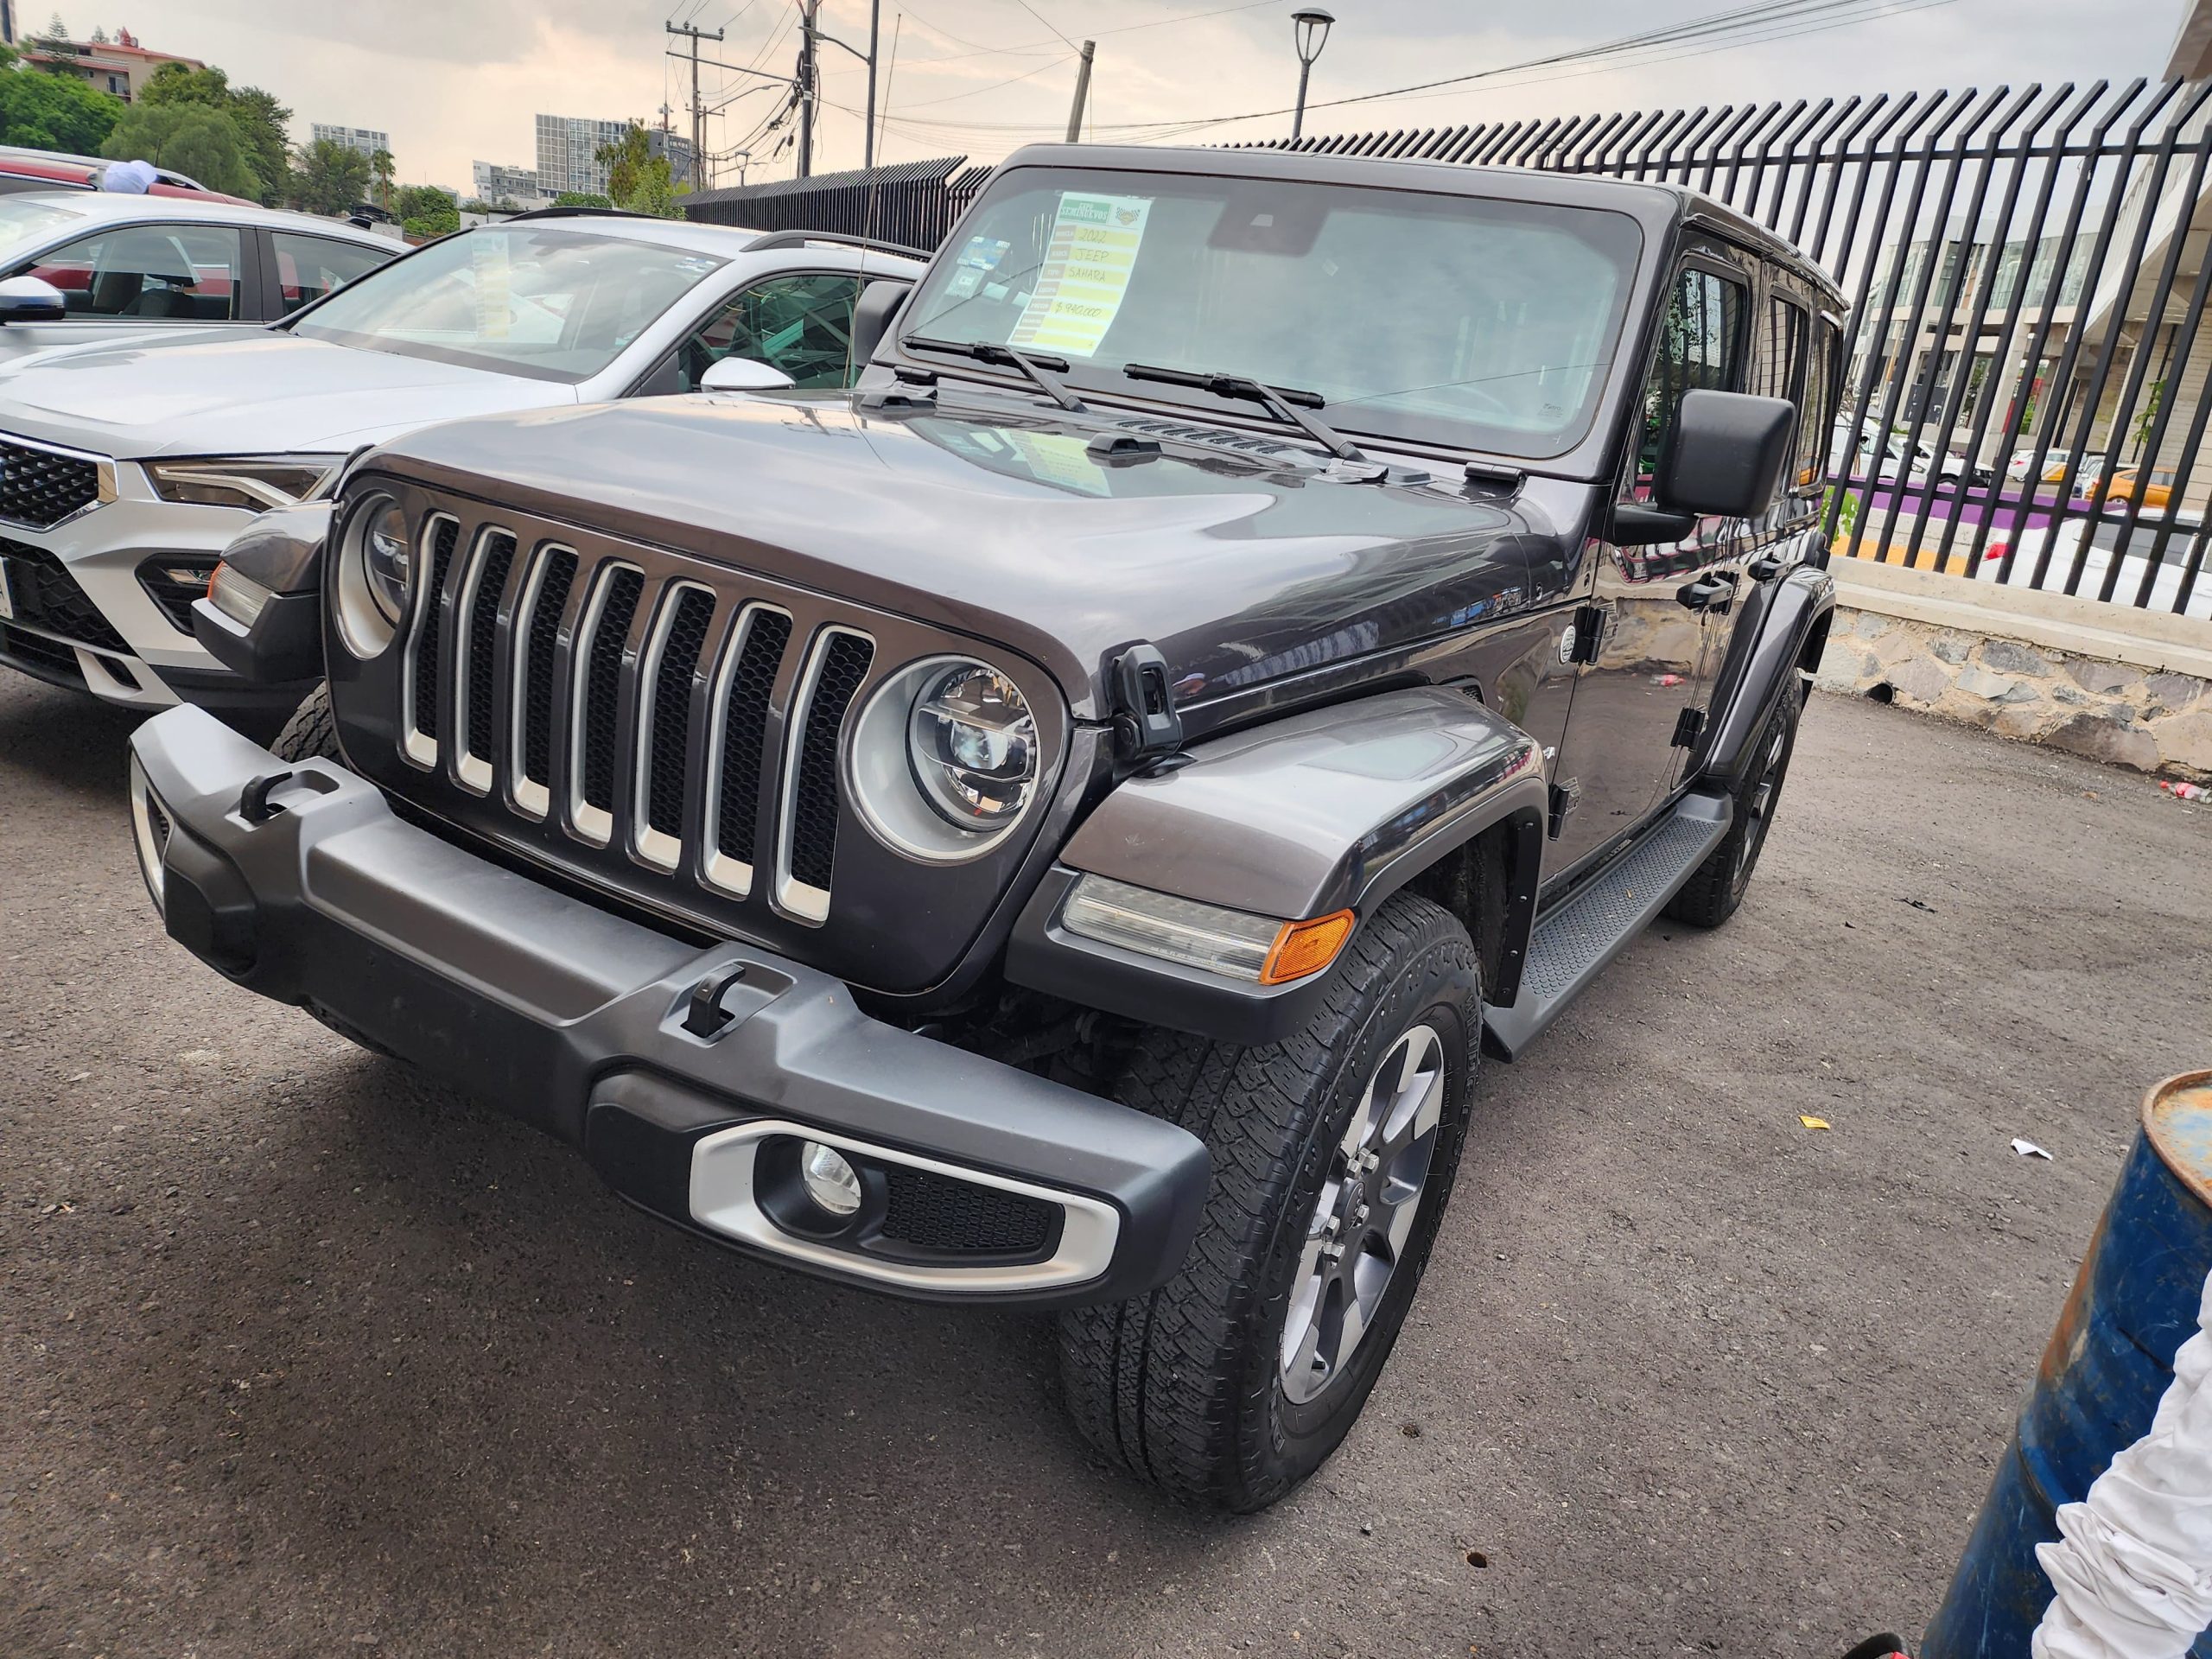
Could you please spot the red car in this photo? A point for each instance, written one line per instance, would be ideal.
(47, 169)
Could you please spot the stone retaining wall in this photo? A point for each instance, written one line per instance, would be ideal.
(2153, 720)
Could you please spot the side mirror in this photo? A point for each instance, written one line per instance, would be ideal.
(744, 374)
(872, 314)
(31, 299)
(1727, 454)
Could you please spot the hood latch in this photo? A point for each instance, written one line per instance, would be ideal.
(1145, 725)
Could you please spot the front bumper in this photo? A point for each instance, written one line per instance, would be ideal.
(101, 630)
(604, 1032)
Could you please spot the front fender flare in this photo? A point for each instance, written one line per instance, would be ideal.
(1330, 810)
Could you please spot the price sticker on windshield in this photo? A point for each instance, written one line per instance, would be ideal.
(1085, 274)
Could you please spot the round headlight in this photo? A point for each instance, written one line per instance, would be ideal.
(385, 559)
(945, 758)
(973, 745)
(369, 574)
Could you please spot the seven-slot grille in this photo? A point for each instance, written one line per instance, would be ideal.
(577, 689)
(40, 488)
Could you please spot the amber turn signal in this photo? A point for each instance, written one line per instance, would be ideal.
(1304, 948)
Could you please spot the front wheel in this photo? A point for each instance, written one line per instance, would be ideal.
(1333, 1157)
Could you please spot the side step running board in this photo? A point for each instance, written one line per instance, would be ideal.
(1573, 943)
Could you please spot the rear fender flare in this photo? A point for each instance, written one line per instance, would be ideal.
(1795, 607)
(1331, 810)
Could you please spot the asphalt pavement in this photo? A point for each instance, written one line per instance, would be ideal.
(302, 1354)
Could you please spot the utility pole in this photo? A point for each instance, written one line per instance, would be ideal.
(1081, 93)
(808, 11)
(809, 73)
(698, 115)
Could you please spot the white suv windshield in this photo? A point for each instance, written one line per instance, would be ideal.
(1451, 319)
(551, 304)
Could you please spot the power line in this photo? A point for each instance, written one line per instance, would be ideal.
(1027, 47)
(1740, 27)
(1048, 24)
(978, 91)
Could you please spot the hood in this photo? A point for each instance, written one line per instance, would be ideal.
(255, 392)
(22, 340)
(1243, 559)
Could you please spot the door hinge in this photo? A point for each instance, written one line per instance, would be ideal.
(1589, 629)
(1688, 725)
(1145, 725)
(1563, 799)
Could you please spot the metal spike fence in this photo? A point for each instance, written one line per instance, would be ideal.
(2027, 274)
(912, 203)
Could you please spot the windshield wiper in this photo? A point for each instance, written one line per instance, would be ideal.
(1040, 370)
(1282, 402)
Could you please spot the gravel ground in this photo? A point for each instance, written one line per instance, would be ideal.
(302, 1354)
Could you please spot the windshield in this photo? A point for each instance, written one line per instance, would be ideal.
(24, 219)
(527, 299)
(1438, 318)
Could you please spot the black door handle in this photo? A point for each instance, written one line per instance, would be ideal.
(1703, 594)
(1765, 568)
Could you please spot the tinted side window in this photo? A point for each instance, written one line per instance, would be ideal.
(179, 273)
(308, 267)
(800, 324)
(1815, 436)
(1778, 358)
(1700, 348)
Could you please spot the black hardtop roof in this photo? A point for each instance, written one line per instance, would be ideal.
(1660, 207)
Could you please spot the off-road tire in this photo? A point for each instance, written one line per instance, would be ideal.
(1717, 886)
(312, 732)
(1183, 1387)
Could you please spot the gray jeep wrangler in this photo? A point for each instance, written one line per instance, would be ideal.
(1059, 824)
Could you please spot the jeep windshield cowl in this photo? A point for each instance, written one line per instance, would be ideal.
(1441, 319)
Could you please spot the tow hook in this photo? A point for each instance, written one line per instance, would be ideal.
(254, 805)
(706, 1019)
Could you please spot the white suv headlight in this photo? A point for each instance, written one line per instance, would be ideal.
(255, 483)
(943, 761)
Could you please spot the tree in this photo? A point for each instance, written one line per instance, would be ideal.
(54, 113)
(637, 181)
(380, 169)
(202, 142)
(259, 119)
(426, 211)
(328, 178)
(582, 198)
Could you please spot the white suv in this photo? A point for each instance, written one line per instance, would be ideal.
(125, 471)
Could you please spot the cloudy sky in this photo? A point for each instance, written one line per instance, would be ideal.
(978, 77)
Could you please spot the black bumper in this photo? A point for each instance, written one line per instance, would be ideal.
(575, 1019)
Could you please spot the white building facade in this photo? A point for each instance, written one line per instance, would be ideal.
(367, 140)
(568, 153)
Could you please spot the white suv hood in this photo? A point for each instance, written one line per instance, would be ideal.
(261, 393)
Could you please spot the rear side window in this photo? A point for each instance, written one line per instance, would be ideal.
(176, 273)
(1778, 358)
(1700, 348)
(308, 267)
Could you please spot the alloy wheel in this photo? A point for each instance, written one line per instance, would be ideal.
(1364, 1214)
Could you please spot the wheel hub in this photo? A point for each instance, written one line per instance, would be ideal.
(1364, 1215)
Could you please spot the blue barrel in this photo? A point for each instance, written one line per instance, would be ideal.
(2134, 1303)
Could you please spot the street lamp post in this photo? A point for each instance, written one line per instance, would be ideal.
(1311, 34)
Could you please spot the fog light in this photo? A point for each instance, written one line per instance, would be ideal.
(831, 1181)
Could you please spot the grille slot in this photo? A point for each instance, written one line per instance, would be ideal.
(424, 721)
(41, 488)
(46, 596)
(538, 628)
(679, 639)
(756, 652)
(599, 688)
(21, 648)
(838, 666)
(475, 679)
(934, 1212)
